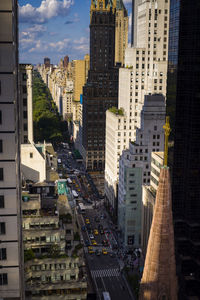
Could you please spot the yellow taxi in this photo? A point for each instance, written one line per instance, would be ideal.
(87, 221)
(104, 251)
(90, 250)
(73, 181)
(96, 232)
(94, 243)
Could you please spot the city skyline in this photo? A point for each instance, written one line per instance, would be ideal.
(55, 28)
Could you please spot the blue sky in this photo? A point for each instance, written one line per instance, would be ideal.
(54, 28)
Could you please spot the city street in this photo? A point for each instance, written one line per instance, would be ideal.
(100, 244)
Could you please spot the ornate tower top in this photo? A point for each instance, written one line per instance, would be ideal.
(105, 5)
(167, 133)
(159, 280)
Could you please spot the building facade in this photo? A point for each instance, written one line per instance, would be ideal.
(101, 89)
(134, 169)
(26, 103)
(145, 73)
(52, 265)
(11, 256)
(149, 198)
(186, 171)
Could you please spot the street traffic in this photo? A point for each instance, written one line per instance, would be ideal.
(99, 241)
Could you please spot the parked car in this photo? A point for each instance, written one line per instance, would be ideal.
(104, 251)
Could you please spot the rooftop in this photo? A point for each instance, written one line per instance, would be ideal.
(117, 111)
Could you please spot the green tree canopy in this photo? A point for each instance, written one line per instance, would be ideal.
(48, 124)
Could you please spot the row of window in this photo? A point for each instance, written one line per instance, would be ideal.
(45, 239)
(47, 267)
(24, 115)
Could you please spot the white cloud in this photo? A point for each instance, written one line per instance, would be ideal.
(81, 40)
(29, 36)
(47, 10)
(60, 45)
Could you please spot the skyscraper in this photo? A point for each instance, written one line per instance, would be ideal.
(186, 170)
(145, 73)
(11, 258)
(101, 89)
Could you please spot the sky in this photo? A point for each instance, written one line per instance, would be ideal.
(55, 28)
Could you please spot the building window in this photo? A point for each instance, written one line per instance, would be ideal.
(1, 146)
(31, 154)
(1, 174)
(25, 127)
(25, 114)
(3, 279)
(1, 201)
(24, 102)
(25, 139)
(3, 255)
(24, 89)
(2, 228)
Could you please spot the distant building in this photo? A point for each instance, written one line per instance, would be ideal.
(101, 90)
(149, 198)
(47, 62)
(11, 255)
(66, 61)
(26, 103)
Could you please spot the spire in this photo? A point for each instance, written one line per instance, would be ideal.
(159, 280)
(167, 133)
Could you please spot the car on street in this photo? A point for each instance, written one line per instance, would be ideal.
(94, 243)
(90, 250)
(91, 236)
(87, 221)
(101, 231)
(104, 251)
(98, 252)
(96, 232)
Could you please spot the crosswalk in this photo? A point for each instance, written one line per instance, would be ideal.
(105, 273)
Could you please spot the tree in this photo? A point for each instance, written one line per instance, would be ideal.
(48, 124)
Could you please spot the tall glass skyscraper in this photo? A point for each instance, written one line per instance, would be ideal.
(186, 166)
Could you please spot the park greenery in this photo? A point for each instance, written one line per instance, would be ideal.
(48, 124)
(116, 111)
